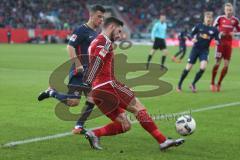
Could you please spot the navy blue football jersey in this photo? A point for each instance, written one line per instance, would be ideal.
(81, 40)
(182, 37)
(204, 34)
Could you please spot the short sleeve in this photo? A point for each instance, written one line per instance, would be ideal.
(76, 38)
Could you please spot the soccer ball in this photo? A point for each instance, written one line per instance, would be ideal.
(185, 125)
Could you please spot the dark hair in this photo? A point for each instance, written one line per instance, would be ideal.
(96, 8)
(110, 20)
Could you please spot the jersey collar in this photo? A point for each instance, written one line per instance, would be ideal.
(106, 37)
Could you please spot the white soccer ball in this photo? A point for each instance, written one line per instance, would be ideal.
(185, 125)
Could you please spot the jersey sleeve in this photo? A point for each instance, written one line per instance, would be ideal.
(237, 26)
(180, 36)
(154, 29)
(194, 31)
(96, 61)
(216, 22)
(76, 38)
(217, 37)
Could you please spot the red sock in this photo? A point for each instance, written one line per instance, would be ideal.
(147, 123)
(214, 73)
(223, 74)
(108, 130)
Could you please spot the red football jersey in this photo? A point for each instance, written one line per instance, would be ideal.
(101, 61)
(227, 25)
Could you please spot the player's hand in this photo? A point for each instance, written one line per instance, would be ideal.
(85, 87)
(194, 40)
(79, 69)
(232, 34)
(222, 34)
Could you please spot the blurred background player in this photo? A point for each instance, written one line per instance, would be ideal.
(226, 25)
(158, 35)
(202, 35)
(9, 35)
(182, 37)
(78, 52)
(113, 97)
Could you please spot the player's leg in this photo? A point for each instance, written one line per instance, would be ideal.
(62, 97)
(85, 113)
(73, 95)
(174, 58)
(183, 53)
(163, 48)
(152, 52)
(120, 125)
(218, 57)
(148, 124)
(222, 75)
(191, 61)
(203, 65)
(227, 57)
(183, 76)
(109, 104)
(214, 73)
(150, 55)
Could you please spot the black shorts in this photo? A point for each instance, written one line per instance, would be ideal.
(183, 48)
(159, 43)
(74, 83)
(195, 54)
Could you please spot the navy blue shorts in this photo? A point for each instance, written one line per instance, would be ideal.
(74, 82)
(195, 54)
(182, 47)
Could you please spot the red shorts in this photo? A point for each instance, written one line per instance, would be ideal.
(224, 51)
(112, 98)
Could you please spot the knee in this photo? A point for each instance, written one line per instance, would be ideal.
(135, 107)
(226, 65)
(165, 53)
(72, 102)
(188, 67)
(202, 70)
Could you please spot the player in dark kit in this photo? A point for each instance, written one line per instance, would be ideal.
(202, 35)
(78, 52)
(182, 37)
(113, 97)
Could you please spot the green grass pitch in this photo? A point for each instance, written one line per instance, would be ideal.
(24, 72)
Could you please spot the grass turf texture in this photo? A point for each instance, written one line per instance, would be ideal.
(24, 73)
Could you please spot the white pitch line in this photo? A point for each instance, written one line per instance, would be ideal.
(37, 139)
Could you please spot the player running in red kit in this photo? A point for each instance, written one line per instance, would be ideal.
(226, 24)
(113, 97)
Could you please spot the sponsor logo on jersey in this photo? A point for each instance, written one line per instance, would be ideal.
(211, 32)
(204, 36)
(73, 38)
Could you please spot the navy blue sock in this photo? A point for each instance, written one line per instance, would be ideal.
(183, 54)
(61, 96)
(177, 54)
(86, 111)
(183, 76)
(198, 76)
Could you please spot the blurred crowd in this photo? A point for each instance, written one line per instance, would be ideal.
(51, 14)
(180, 13)
(139, 14)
